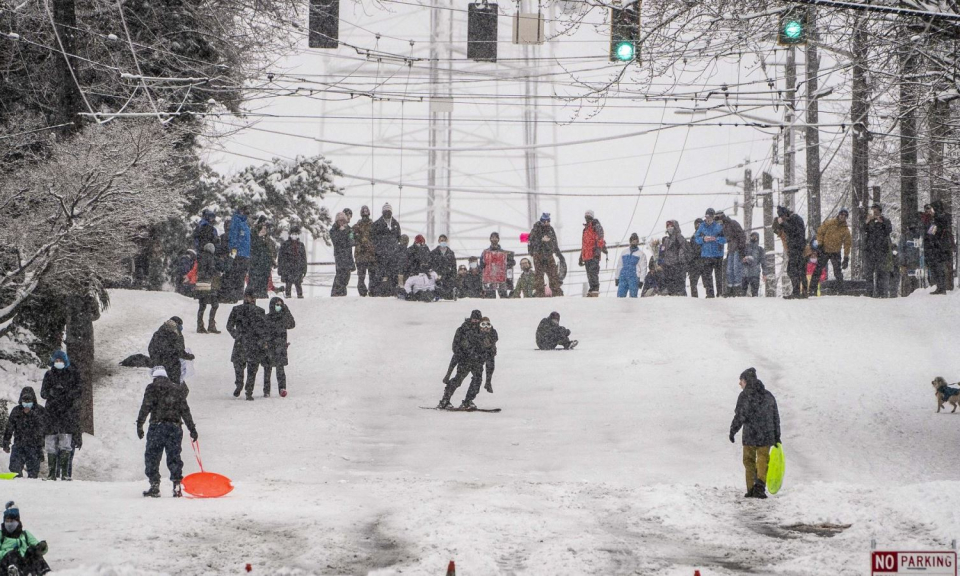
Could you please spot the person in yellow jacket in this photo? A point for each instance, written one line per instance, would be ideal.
(832, 237)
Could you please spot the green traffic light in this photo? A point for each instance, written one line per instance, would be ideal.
(793, 29)
(625, 51)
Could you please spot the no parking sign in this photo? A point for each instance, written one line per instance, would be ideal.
(927, 563)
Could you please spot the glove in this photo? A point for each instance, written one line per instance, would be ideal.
(616, 282)
(580, 261)
(188, 356)
(777, 443)
(41, 547)
(78, 441)
(846, 263)
(733, 439)
(194, 435)
(139, 432)
(233, 253)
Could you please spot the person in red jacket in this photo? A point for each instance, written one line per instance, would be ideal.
(591, 248)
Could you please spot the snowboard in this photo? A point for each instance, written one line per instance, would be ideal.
(775, 469)
(490, 410)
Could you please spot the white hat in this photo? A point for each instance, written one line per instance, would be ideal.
(158, 371)
(589, 213)
(386, 207)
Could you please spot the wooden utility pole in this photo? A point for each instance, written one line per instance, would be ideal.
(70, 99)
(909, 195)
(766, 184)
(859, 112)
(813, 121)
(748, 201)
(938, 119)
(789, 149)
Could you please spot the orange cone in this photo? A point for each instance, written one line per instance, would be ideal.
(452, 569)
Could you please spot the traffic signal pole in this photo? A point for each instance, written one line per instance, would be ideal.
(812, 144)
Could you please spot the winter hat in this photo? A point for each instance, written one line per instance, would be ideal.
(711, 212)
(419, 239)
(844, 212)
(191, 251)
(485, 319)
(60, 355)
(497, 234)
(634, 236)
(294, 229)
(782, 211)
(878, 207)
(555, 315)
(348, 212)
(545, 217)
(387, 208)
(158, 371)
(476, 315)
(252, 292)
(208, 214)
(754, 235)
(588, 213)
(11, 511)
(177, 320)
(750, 375)
(209, 247)
(364, 210)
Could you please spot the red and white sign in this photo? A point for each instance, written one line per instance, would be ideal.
(927, 563)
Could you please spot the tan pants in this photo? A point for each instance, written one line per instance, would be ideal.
(545, 264)
(755, 461)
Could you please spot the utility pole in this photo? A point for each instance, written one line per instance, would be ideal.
(70, 99)
(789, 149)
(813, 121)
(766, 191)
(859, 113)
(748, 201)
(909, 196)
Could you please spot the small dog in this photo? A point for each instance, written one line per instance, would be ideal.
(946, 394)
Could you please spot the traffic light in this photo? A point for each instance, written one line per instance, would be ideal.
(324, 24)
(482, 32)
(793, 27)
(625, 33)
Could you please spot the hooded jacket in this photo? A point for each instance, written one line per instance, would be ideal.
(418, 259)
(276, 325)
(26, 428)
(466, 342)
(19, 540)
(167, 348)
(832, 236)
(165, 403)
(793, 230)
(710, 249)
(488, 344)
(239, 238)
(205, 233)
(422, 282)
(62, 389)
(757, 414)
(673, 246)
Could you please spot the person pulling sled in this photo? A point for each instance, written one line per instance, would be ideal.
(165, 402)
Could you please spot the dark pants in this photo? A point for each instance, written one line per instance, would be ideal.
(163, 437)
(340, 281)
(875, 276)
(822, 259)
(26, 456)
(673, 278)
(694, 272)
(938, 274)
(490, 365)
(259, 280)
(751, 285)
(290, 284)
(281, 378)
(593, 273)
(364, 270)
(474, 369)
(231, 287)
(447, 288)
(712, 268)
(450, 368)
(251, 368)
(796, 271)
(30, 563)
(551, 341)
(214, 301)
(545, 264)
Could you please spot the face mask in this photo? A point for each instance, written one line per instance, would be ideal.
(295, 236)
(473, 265)
(670, 229)
(754, 240)
(388, 215)
(10, 525)
(28, 405)
(443, 244)
(59, 365)
(179, 327)
(278, 308)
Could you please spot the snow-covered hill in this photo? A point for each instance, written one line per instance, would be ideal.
(610, 459)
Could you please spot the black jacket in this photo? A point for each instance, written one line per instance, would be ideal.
(876, 241)
(292, 260)
(247, 325)
(472, 285)
(466, 342)
(445, 265)
(165, 403)
(261, 254)
(488, 344)
(342, 247)
(550, 334)
(938, 246)
(276, 325)
(166, 348)
(795, 232)
(26, 428)
(418, 259)
(757, 414)
(386, 239)
(543, 240)
(62, 389)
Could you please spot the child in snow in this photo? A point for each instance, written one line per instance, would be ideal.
(27, 426)
(20, 551)
(279, 320)
(811, 268)
(62, 391)
(488, 350)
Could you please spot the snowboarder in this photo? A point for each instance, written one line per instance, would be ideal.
(832, 236)
(262, 259)
(473, 281)
(27, 426)
(341, 235)
(20, 551)
(736, 242)
(757, 414)
(421, 287)
(631, 268)
(247, 325)
(165, 403)
(592, 244)
(876, 252)
(673, 253)
(444, 263)
(385, 235)
(525, 284)
(167, 348)
(62, 389)
(238, 242)
(754, 263)
(693, 260)
(542, 246)
(292, 263)
(364, 254)
(278, 321)
(488, 350)
(209, 271)
(468, 359)
(711, 240)
(792, 231)
(496, 269)
(551, 334)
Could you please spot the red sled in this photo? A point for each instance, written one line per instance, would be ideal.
(494, 267)
(204, 484)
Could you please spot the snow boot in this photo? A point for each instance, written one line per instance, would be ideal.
(13, 571)
(250, 397)
(212, 327)
(177, 490)
(573, 344)
(488, 387)
(283, 392)
(154, 491)
(468, 405)
(52, 462)
(200, 327)
(64, 458)
(444, 404)
(759, 490)
(236, 393)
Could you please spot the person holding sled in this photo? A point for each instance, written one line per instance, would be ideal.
(20, 551)
(207, 290)
(551, 334)
(26, 426)
(247, 325)
(278, 321)
(757, 414)
(165, 402)
(62, 389)
(167, 348)
(467, 357)
(488, 350)
(496, 269)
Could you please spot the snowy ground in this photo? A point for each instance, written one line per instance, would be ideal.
(611, 459)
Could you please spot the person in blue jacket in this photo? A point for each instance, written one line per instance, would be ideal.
(631, 267)
(711, 240)
(238, 245)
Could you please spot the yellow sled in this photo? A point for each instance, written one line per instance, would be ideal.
(775, 469)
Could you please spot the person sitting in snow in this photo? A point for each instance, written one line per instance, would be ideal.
(278, 321)
(165, 402)
(759, 417)
(62, 390)
(20, 551)
(421, 287)
(551, 334)
(27, 427)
